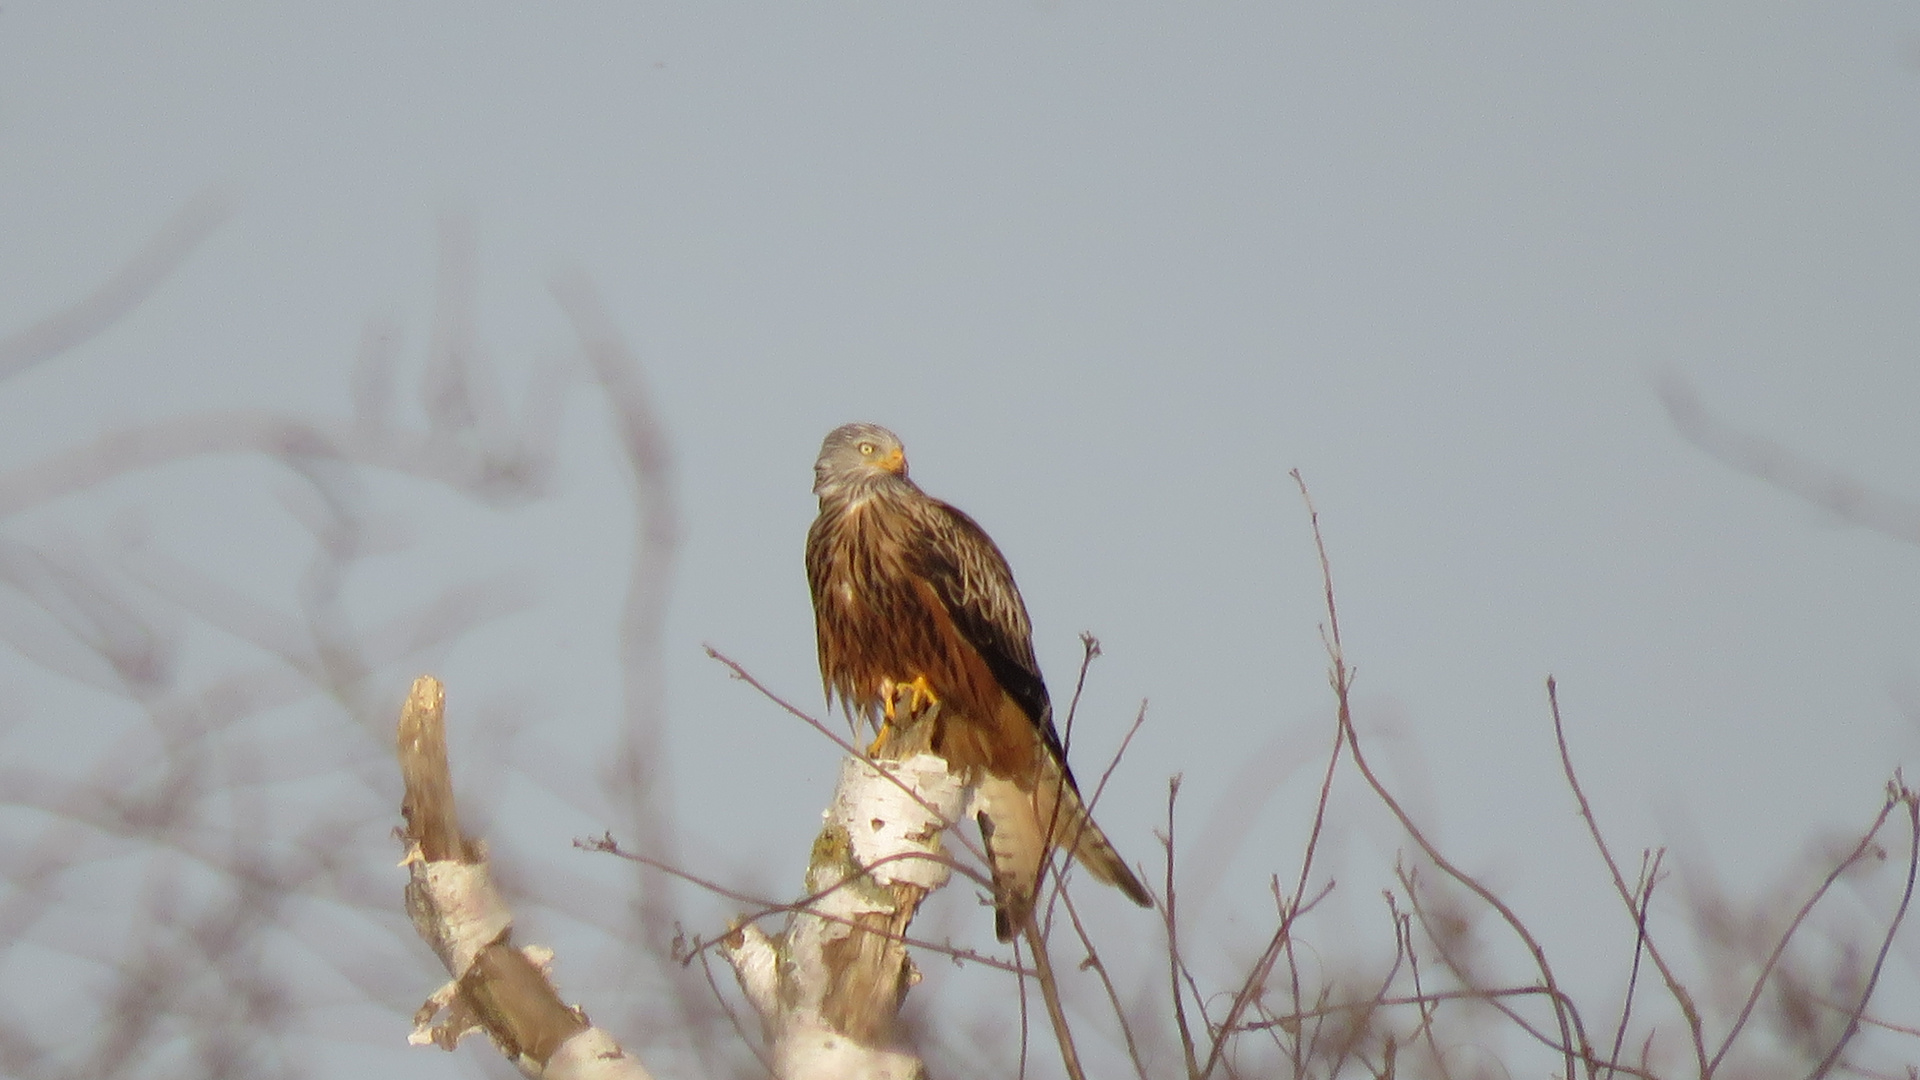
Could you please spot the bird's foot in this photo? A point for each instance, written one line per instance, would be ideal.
(919, 694)
(919, 697)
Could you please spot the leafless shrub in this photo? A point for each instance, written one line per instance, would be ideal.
(192, 882)
(196, 852)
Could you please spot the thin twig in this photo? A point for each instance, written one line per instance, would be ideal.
(852, 750)
(1556, 996)
(1257, 975)
(1054, 870)
(1675, 987)
(1489, 994)
(1050, 996)
(1649, 877)
(1349, 1045)
(1870, 1021)
(1174, 966)
(606, 844)
(1306, 861)
(1427, 1011)
(1908, 799)
(1089, 648)
(1139, 721)
(1300, 1052)
(1026, 1020)
(733, 1017)
(1342, 678)
(1779, 949)
(1106, 981)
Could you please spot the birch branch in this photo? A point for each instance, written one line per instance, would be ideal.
(829, 987)
(496, 987)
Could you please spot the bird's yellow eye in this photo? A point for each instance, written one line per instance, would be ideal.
(866, 449)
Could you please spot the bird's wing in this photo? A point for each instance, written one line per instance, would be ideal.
(973, 581)
(820, 541)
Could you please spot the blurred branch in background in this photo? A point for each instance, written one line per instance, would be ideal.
(121, 292)
(196, 860)
(634, 777)
(196, 801)
(1787, 469)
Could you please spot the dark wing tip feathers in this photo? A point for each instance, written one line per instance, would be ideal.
(974, 581)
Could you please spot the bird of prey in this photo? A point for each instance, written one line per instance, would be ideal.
(912, 600)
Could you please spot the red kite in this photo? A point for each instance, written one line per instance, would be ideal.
(910, 597)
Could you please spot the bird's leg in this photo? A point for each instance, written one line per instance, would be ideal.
(886, 717)
(920, 697)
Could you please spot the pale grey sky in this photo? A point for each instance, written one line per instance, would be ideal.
(1110, 271)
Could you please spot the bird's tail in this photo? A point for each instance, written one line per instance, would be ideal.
(1020, 825)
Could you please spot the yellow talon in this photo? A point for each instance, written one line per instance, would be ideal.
(920, 697)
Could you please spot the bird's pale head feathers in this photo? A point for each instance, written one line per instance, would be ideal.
(855, 455)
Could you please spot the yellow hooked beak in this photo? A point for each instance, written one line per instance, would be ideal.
(895, 461)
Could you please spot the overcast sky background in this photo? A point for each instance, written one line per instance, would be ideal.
(1110, 272)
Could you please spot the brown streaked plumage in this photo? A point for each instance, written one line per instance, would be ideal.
(908, 589)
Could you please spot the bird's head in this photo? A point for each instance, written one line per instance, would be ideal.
(855, 455)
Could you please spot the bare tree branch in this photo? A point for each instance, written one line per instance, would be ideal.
(123, 291)
(496, 988)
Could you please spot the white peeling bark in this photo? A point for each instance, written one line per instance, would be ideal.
(495, 987)
(829, 988)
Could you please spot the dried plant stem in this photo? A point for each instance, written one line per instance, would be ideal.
(1106, 983)
(1089, 650)
(606, 844)
(1427, 1010)
(1050, 997)
(1675, 988)
(1277, 944)
(1175, 968)
(1897, 793)
(1649, 877)
(1859, 852)
(1567, 1018)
